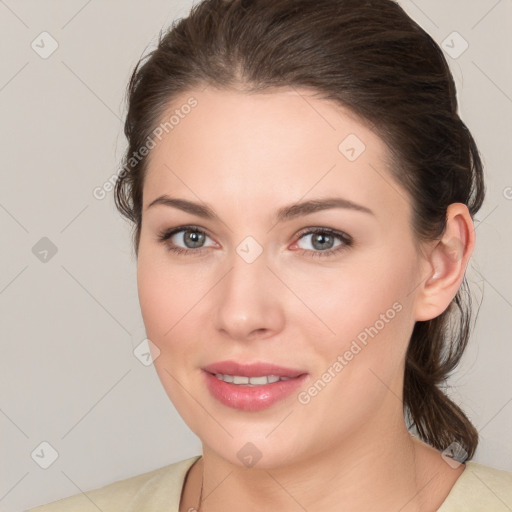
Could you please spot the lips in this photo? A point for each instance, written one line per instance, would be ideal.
(252, 369)
(247, 397)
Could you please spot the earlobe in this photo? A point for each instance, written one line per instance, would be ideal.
(447, 261)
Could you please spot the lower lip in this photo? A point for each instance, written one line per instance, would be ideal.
(252, 398)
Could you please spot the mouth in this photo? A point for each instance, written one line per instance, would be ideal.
(250, 381)
(251, 387)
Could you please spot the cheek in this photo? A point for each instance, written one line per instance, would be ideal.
(170, 301)
(155, 303)
(362, 370)
(166, 302)
(166, 296)
(351, 301)
(366, 314)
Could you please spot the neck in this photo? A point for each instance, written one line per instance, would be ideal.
(394, 472)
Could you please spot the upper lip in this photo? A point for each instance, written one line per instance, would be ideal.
(256, 369)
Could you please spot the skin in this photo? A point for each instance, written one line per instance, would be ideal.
(246, 156)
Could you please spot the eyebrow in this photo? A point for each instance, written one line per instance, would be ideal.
(283, 214)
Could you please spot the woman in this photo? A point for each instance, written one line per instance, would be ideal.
(303, 191)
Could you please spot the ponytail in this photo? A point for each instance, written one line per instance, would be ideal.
(433, 353)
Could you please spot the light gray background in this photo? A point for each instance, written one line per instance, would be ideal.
(69, 325)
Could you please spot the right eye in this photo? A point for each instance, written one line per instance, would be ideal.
(192, 238)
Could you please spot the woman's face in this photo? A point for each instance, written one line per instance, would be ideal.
(333, 311)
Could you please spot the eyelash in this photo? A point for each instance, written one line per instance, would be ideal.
(347, 241)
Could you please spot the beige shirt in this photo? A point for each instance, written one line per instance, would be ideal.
(479, 489)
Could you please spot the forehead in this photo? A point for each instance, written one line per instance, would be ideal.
(249, 146)
(277, 122)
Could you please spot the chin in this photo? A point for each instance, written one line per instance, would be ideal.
(258, 451)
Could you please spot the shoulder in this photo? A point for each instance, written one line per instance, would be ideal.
(480, 488)
(142, 492)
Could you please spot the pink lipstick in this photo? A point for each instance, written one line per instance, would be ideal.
(251, 387)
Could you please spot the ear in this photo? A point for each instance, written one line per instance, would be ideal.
(445, 264)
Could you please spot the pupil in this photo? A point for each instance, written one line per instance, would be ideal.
(196, 238)
(320, 238)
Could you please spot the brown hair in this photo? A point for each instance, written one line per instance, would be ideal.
(370, 57)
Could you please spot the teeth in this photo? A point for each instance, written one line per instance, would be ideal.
(258, 381)
(250, 381)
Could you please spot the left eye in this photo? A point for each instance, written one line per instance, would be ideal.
(324, 240)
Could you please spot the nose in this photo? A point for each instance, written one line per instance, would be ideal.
(248, 301)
